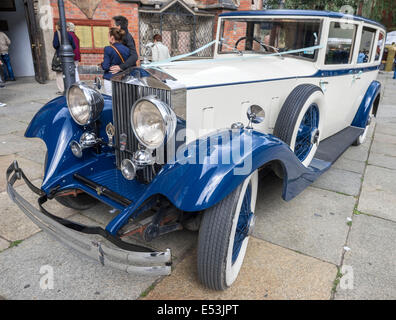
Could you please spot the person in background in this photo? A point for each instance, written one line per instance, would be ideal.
(56, 43)
(4, 45)
(361, 57)
(159, 50)
(77, 54)
(114, 54)
(2, 85)
(121, 23)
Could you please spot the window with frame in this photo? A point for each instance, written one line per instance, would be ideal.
(93, 34)
(380, 43)
(270, 35)
(366, 45)
(340, 43)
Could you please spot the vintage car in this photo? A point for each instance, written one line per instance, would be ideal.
(180, 143)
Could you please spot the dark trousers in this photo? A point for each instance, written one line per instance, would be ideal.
(8, 73)
(2, 81)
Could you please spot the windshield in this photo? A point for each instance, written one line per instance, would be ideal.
(269, 36)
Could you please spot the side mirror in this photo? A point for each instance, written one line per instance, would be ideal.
(255, 115)
(98, 83)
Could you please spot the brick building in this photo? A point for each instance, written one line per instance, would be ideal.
(185, 25)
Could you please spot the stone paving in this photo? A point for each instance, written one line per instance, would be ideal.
(345, 223)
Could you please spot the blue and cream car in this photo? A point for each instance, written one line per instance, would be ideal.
(180, 143)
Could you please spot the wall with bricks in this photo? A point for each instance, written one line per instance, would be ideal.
(105, 11)
(109, 8)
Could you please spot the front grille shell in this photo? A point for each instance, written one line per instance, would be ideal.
(127, 89)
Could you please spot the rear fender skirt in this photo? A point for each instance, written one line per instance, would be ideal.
(198, 186)
(361, 117)
(54, 125)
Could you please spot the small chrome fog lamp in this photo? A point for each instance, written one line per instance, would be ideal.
(87, 140)
(76, 149)
(143, 158)
(128, 169)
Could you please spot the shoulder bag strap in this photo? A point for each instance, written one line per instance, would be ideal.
(119, 54)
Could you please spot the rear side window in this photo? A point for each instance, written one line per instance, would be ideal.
(366, 45)
(340, 43)
(379, 46)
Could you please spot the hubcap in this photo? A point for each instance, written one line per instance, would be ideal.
(245, 224)
(308, 132)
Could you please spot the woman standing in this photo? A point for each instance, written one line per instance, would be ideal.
(56, 43)
(114, 54)
(77, 54)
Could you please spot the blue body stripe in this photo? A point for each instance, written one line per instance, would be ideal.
(314, 13)
(318, 74)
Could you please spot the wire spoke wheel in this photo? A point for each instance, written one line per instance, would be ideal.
(224, 235)
(306, 132)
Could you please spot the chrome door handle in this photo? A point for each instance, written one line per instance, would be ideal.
(358, 75)
(323, 84)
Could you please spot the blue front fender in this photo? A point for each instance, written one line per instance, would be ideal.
(211, 169)
(54, 125)
(192, 186)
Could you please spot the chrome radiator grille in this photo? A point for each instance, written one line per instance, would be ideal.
(124, 96)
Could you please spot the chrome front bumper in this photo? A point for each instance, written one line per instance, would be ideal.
(143, 263)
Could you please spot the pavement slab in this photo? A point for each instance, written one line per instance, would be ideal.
(382, 160)
(4, 244)
(22, 112)
(386, 113)
(33, 155)
(75, 276)
(357, 153)
(314, 223)
(385, 148)
(385, 138)
(386, 128)
(372, 258)
(11, 143)
(9, 126)
(268, 272)
(349, 165)
(14, 224)
(32, 169)
(378, 196)
(338, 180)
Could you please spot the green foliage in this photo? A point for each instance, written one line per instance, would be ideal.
(379, 10)
(15, 243)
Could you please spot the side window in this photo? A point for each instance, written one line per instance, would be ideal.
(379, 46)
(340, 43)
(366, 45)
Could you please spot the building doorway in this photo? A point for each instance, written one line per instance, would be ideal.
(18, 21)
(183, 30)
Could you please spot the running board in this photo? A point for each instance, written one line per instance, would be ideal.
(333, 147)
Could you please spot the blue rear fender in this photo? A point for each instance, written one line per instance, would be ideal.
(369, 99)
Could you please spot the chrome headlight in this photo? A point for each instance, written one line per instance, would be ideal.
(153, 122)
(85, 103)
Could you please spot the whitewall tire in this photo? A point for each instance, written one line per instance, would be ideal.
(300, 121)
(224, 235)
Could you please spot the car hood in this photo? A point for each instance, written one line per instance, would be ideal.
(212, 72)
